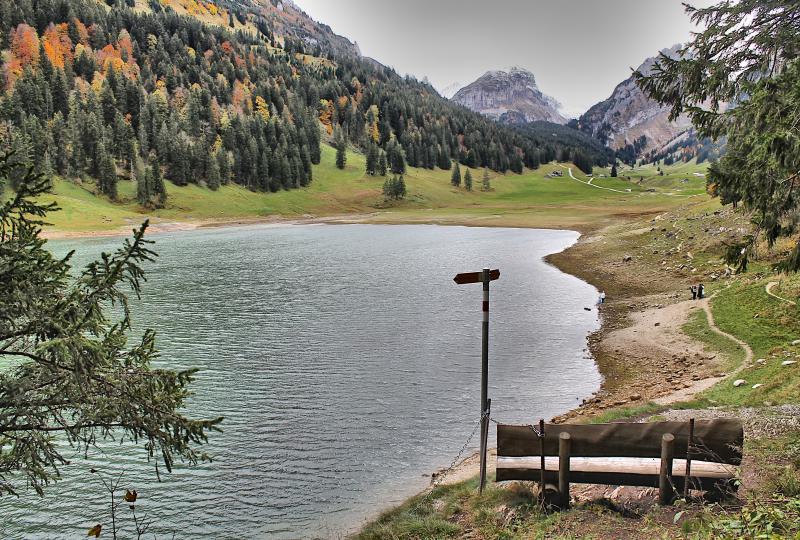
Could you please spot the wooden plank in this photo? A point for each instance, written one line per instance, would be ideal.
(614, 479)
(475, 277)
(621, 465)
(717, 440)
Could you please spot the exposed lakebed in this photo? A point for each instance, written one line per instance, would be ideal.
(346, 363)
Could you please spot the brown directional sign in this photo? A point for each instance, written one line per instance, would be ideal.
(475, 277)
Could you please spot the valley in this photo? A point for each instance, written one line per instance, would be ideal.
(282, 352)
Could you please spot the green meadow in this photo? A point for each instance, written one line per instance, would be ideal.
(531, 199)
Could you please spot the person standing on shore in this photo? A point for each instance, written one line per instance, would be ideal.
(693, 290)
(602, 297)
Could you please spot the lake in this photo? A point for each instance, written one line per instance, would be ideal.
(346, 363)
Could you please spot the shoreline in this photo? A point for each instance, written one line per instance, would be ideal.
(628, 315)
(371, 218)
(639, 336)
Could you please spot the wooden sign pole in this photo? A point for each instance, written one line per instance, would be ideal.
(486, 276)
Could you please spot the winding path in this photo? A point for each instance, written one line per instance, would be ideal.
(771, 285)
(699, 386)
(589, 183)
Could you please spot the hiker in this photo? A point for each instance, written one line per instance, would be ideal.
(693, 290)
(602, 297)
(701, 292)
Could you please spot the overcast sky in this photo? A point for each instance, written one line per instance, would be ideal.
(579, 50)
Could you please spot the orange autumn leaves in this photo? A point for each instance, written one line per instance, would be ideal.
(25, 47)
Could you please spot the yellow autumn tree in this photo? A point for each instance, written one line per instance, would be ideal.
(262, 108)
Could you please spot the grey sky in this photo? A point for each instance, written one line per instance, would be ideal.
(579, 50)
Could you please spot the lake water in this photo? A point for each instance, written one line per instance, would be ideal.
(346, 363)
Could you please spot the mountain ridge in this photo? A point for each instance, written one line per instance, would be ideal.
(628, 115)
(511, 97)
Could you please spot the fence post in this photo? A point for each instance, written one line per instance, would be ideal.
(688, 474)
(666, 491)
(564, 444)
(541, 472)
(484, 441)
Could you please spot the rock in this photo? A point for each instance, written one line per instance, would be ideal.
(739, 382)
(657, 324)
(759, 385)
(761, 361)
(511, 97)
(796, 342)
(788, 362)
(627, 258)
(635, 397)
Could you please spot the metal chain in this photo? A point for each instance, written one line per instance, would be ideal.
(441, 476)
(533, 427)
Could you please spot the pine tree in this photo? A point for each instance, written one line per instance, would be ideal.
(468, 180)
(487, 185)
(107, 174)
(76, 375)
(455, 177)
(213, 178)
(614, 169)
(372, 160)
(382, 165)
(157, 188)
(140, 176)
(341, 151)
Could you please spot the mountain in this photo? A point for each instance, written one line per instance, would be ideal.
(511, 97)
(285, 18)
(450, 90)
(628, 115)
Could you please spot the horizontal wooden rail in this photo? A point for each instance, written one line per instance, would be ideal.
(625, 465)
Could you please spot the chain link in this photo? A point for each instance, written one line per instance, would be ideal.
(533, 427)
(441, 475)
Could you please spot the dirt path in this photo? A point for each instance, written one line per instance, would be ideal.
(589, 183)
(771, 285)
(705, 384)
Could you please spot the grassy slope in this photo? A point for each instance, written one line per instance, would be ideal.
(528, 200)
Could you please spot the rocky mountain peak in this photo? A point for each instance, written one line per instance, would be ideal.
(510, 96)
(628, 115)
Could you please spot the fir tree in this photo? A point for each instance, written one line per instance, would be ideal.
(468, 180)
(107, 174)
(487, 185)
(372, 160)
(75, 381)
(614, 170)
(213, 174)
(382, 165)
(455, 177)
(341, 151)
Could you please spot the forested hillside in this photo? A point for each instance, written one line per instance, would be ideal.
(207, 93)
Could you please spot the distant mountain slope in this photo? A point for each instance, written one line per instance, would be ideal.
(286, 19)
(212, 93)
(511, 97)
(628, 115)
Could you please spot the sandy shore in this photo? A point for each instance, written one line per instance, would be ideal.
(640, 348)
(157, 227)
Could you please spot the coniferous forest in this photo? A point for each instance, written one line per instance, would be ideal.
(108, 91)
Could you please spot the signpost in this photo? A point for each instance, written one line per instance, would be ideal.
(486, 276)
